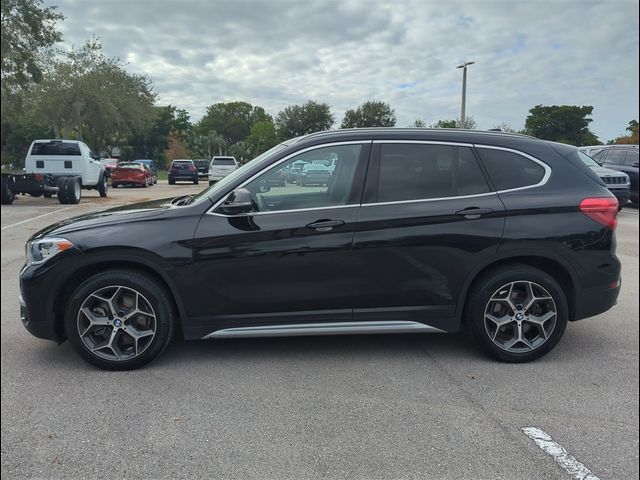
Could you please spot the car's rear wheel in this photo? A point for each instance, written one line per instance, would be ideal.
(7, 195)
(62, 190)
(119, 320)
(73, 190)
(517, 313)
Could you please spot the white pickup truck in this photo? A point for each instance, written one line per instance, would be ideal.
(61, 167)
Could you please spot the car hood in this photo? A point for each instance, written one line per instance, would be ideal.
(123, 214)
(606, 172)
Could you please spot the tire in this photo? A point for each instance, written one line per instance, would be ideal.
(114, 185)
(171, 182)
(195, 182)
(7, 195)
(156, 316)
(47, 194)
(103, 188)
(73, 190)
(62, 190)
(523, 321)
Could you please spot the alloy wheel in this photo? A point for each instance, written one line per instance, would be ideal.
(116, 323)
(520, 316)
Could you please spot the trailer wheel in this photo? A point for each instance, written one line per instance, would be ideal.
(62, 190)
(73, 190)
(7, 195)
(102, 186)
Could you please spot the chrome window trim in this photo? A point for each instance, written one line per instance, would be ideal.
(212, 211)
(542, 182)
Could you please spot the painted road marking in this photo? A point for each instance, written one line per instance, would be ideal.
(35, 218)
(573, 467)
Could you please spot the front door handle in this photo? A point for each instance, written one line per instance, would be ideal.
(325, 225)
(472, 213)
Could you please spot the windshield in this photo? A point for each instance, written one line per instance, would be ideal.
(588, 161)
(222, 184)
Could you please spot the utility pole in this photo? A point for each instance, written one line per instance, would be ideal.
(463, 118)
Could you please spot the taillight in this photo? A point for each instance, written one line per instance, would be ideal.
(192, 168)
(602, 210)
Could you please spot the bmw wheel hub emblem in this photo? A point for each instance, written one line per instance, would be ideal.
(519, 317)
(117, 323)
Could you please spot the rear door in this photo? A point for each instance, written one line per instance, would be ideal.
(428, 217)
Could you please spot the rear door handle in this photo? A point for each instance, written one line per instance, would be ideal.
(472, 213)
(325, 225)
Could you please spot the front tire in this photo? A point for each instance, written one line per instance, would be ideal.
(103, 188)
(517, 313)
(119, 319)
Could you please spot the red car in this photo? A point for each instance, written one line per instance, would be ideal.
(131, 174)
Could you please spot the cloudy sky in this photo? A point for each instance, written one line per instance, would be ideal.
(274, 53)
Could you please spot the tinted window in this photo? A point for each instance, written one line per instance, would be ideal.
(599, 155)
(223, 161)
(509, 170)
(55, 148)
(413, 172)
(182, 164)
(631, 157)
(279, 189)
(615, 157)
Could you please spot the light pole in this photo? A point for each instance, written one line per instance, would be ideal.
(463, 118)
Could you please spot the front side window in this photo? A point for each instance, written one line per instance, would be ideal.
(509, 170)
(632, 157)
(415, 172)
(615, 157)
(305, 181)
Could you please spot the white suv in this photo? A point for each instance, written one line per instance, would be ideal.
(220, 167)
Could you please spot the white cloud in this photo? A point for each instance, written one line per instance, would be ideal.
(275, 53)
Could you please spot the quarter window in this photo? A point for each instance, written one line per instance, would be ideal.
(509, 170)
(318, 178)
(416, 171)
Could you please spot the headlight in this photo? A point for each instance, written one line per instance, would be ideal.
(39, 251)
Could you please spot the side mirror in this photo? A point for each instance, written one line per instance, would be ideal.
(238, 201)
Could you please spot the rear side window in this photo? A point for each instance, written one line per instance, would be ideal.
(415, 172)
(55, 148)
(509, 170)
(223, 161)
(631, 157)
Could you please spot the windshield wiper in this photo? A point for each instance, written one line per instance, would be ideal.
(182, 200)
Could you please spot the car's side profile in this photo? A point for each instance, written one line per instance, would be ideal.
(418, 230)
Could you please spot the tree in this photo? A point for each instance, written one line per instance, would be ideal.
(28, 30)
(232, 120)
(176, 148)
(370, 114)
(91, 97)
(504, 127)
(632, 138)
(419, 123)
(261, 138)
(298, 120)
(561, 123)
(445, 124)
(154, 139)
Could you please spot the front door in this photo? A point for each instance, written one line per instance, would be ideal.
(290, 260)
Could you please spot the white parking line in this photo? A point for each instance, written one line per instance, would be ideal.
(35, 218)
(573, 467)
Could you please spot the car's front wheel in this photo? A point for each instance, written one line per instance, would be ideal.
(119, 319)
(517, 313)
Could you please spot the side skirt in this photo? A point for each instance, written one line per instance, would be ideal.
(333, 328)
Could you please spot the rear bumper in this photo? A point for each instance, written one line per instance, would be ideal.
(593, 301)
(190, 177)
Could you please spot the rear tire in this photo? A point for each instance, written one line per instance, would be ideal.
(517, 313)
(73, 190)
(171, 182)
(62, 190)
(195, 182)
(149, 313)
(7, 195)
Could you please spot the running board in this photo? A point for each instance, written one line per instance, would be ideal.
(334, 328)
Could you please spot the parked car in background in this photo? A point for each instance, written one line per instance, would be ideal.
(294, 170)
(505, 236)
(314, 174)
(278, 178)
(132, 174)
(623, 158)
(617, 182)
(182, 170)
(220, 167)
(202, 164)
(151, 165)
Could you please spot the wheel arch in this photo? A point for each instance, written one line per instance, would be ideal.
(99, 265)
(555, 267)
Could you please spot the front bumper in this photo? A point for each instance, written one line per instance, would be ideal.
(622, 194)
(35, 317)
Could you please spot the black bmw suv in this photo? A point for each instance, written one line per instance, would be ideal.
(502, 235)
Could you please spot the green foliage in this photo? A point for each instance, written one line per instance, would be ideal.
(561, 123)
(232, 120)
(261, 138)
(445, 124)
(418, 123)
(93, 98)
(370, 114)
(154, 140)
(28, 30)
(298, 120)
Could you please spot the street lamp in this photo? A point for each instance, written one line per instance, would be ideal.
(463, 118)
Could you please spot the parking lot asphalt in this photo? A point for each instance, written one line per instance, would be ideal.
(366, 407)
